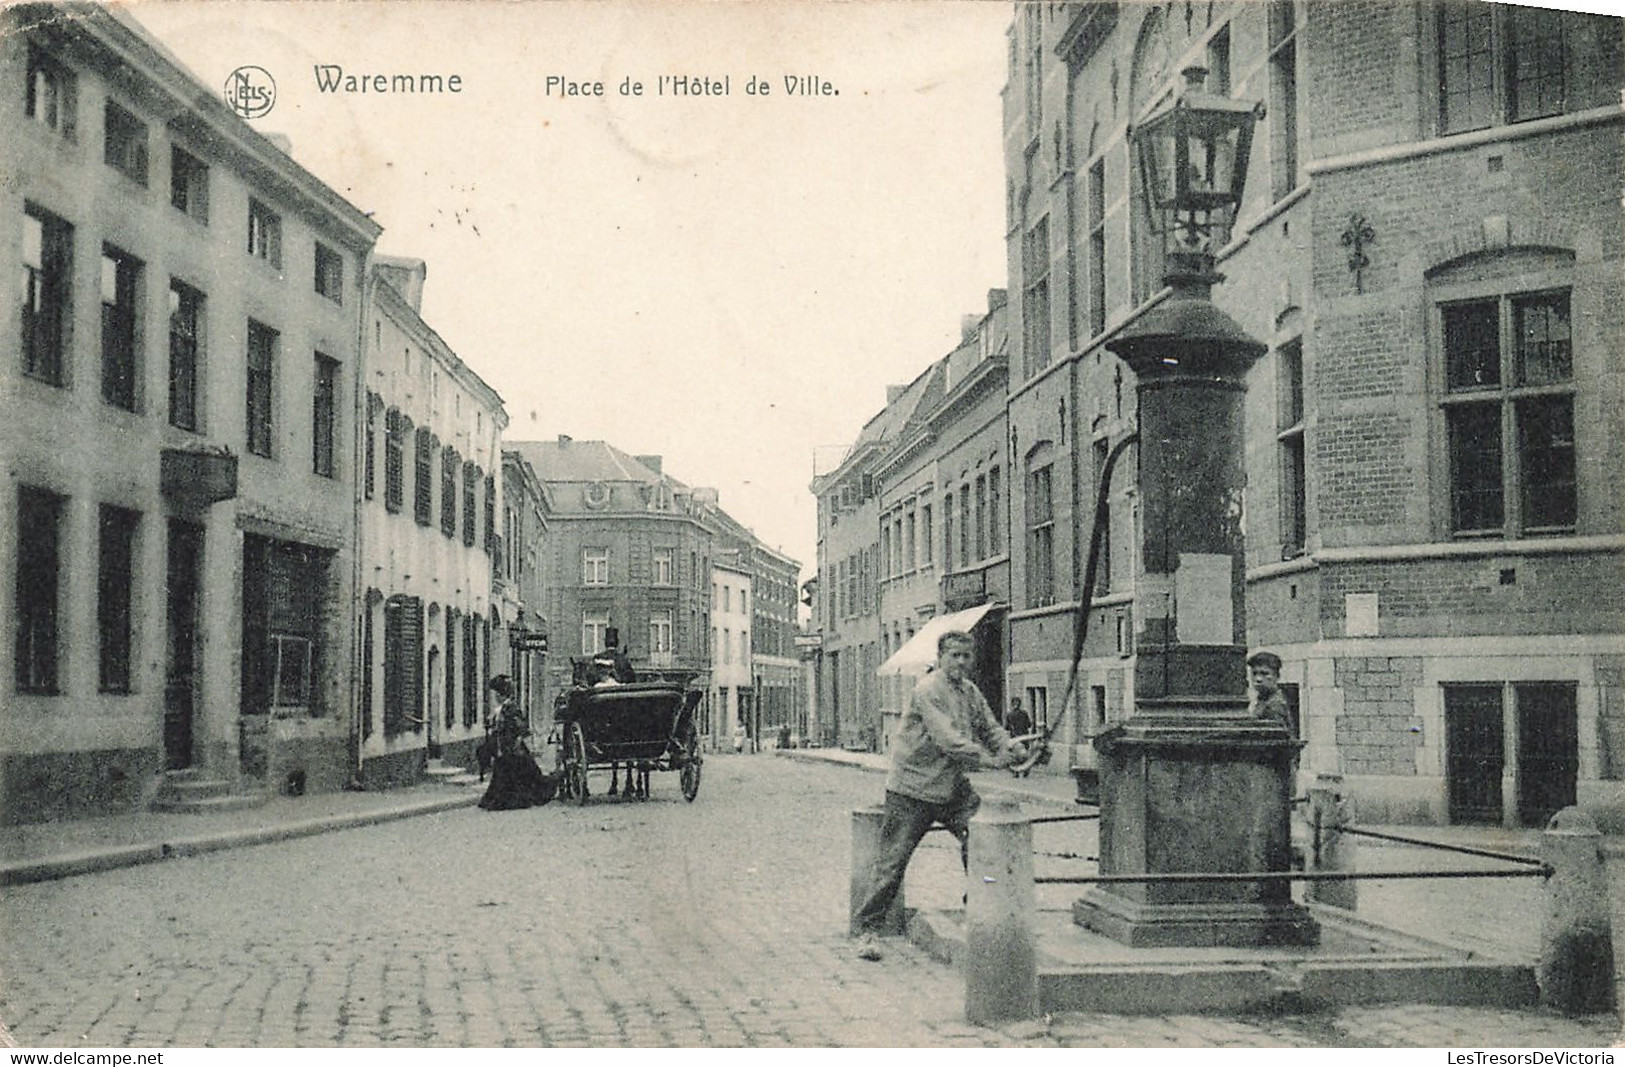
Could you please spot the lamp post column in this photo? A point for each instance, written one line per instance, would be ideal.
(1191, 782)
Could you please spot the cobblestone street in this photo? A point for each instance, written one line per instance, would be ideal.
(660, 923)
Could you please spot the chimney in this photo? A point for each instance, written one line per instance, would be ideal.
(967, 326)
(996, 299)
(284, 145)
(652, 462)
(564, 440)
(404, 275)
(894, 392)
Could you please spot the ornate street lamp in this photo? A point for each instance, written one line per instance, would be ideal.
(1192, 154)
(1190, 783)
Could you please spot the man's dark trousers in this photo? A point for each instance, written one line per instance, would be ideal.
(907, 820)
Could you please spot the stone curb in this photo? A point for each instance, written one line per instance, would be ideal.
(111, 858)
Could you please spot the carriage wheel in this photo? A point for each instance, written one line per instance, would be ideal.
(691, 765)
(575, 763)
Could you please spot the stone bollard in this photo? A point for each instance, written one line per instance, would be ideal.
(1576, 972)
(865, 846)
(1001, 953)
(1329, 849)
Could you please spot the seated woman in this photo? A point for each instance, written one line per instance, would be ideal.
(516, 781)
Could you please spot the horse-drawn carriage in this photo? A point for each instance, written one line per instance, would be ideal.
(635, 728)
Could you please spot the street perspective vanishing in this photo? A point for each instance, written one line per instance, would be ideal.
(804, 525)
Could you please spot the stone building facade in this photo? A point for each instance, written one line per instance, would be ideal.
(179, 367)
(1430, 246)
(432, 625)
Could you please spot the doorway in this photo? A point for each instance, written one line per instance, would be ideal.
(1548, 749)
(183, 577)
(1474, 752)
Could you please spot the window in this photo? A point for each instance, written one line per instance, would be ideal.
(965, 533)
(116, 555)
(329, 273)
(124, 145)
(453, 617)
(120, 272)
(1038, 705)
(948, 531)
(188, 184)
(396, 427)
(744, 602)
(1101, 452)
(1285, 171)
(926, 547)
(662, 566)
(471, 671)
(995, 509)
(47, 286)
(371, 473)
(471, 481)
(744, 646)
(594, 631)
(1097, 709)
(264, 234)
(1097, 248)
(1290, 447)
(403, 664)
(52, 94)
(981, 516)
(727, 645)
(422, 471)
(490, 481)
(908, 540)
(1040, 536)
(450, 463)
(185, 346)
(1035, 297)
(39, 538)
(261, 362)
(1509, 63)
(323, 415)
(1509, 380)
(595, 566)
(660, 634)
(1218, 62)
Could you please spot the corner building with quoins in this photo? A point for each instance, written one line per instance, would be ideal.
(1430, 244)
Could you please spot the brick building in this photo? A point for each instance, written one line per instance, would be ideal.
(944, 556)
(629, 549)
(179, 376)
(1430, 245)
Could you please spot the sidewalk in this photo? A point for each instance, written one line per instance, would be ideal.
(42, 851)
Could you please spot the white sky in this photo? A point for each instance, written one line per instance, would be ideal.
(730, 282)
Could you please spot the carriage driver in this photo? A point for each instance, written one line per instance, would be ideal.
(947, 730)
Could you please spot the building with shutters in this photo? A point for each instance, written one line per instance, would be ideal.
(179, 372)
(1430, 245)
(432, 620)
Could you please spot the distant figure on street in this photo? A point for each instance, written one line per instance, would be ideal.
(1264, 674)
(947, 730)
(1018, 723)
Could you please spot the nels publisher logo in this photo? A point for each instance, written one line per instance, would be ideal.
(250, 91)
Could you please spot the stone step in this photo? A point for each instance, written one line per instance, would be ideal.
(201, 805)
(194, 787)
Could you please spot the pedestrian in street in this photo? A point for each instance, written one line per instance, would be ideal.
(1264, 674)
(516, 781)
(1018, 723)
(947, 731)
